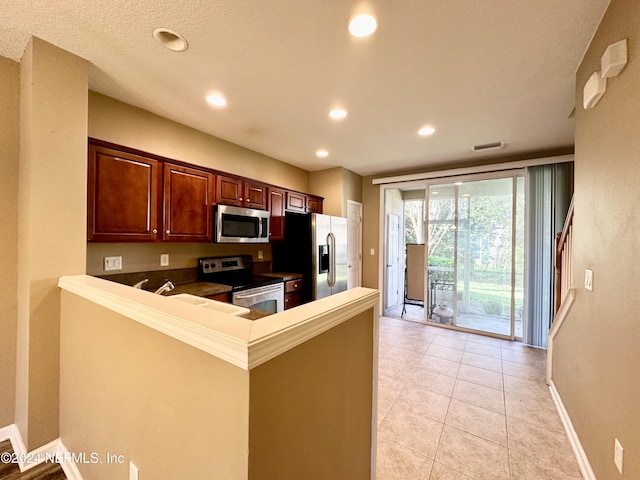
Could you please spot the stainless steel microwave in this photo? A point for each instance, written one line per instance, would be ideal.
(240, 225)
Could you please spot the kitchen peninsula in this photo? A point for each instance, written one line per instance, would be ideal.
(184, 391)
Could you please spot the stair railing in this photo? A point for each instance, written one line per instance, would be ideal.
(564, 259)
(565, 287)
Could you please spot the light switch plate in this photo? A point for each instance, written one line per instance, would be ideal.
(112, 263)
(588, 279)
(164, 260)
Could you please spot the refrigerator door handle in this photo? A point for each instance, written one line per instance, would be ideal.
(332, 259)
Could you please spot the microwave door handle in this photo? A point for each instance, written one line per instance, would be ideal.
(259, 228)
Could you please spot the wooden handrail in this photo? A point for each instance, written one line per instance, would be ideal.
(564, 258)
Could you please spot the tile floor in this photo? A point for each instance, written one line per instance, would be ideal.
(459, 406)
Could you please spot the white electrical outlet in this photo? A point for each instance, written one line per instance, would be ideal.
(618, 455)
(112, 263)
(260, 254)
(588, 279)
(164, 260)
(372, 251)
(133, 471)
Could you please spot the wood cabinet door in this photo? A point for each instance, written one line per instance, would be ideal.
(255, 195)
(276, 209)
(228, 191)
(188, 204)
(314, 204)
(122, 196)
(296, 202)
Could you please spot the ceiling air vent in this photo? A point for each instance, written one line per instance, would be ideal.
(487, 146)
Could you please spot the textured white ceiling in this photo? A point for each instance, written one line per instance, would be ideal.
(479, 71)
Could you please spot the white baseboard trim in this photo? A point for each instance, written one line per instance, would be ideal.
(581, 456)
(27, 460)
(70, 469)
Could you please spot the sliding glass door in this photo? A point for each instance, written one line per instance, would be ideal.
(475, 263)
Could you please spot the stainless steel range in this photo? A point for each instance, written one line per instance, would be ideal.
(248, 290)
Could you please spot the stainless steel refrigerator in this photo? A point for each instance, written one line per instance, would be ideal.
(316, 246)
(329, 239)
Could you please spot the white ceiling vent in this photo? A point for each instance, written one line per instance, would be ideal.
(487, 146)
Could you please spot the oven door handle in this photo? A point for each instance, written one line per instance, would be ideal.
(261, 292)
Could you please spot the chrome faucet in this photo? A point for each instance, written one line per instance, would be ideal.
(140, 283)
(167, 286)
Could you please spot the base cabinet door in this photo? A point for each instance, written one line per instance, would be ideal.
(123, 196)
(188, 204)
(292, 293)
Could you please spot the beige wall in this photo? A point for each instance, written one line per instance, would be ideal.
(336, 185)
(9, 156)
(133, 127)
(173, 410)
(51, 223)
(177, 412)
(371, 231)
(328, 184)
(310, 407)
(129, 126)
(596, 353)
(145, 257)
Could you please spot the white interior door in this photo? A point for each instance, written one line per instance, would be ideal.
(393, 261)
(354, 244)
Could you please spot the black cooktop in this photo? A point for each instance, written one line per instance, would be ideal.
(237, 272)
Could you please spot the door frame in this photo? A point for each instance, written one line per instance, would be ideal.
(358, 243)
(426, 182)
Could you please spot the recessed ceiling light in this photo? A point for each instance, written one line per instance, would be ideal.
(322, 153)
(363, 25)
(170, 39)
(338, 114)
(426, 131)
(217, 100)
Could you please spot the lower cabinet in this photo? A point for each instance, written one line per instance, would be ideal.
(292, 291)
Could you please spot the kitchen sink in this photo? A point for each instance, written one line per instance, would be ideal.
(223, 307)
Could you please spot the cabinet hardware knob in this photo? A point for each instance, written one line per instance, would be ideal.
(168, 232)
(155, 230)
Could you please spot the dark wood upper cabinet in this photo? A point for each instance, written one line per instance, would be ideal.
(188, 204)
(122, 196)
(255, 195)
(228, 191)
(241, 193)
(277, 200)
(299, 202)
(314, 204)
(133, 196)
